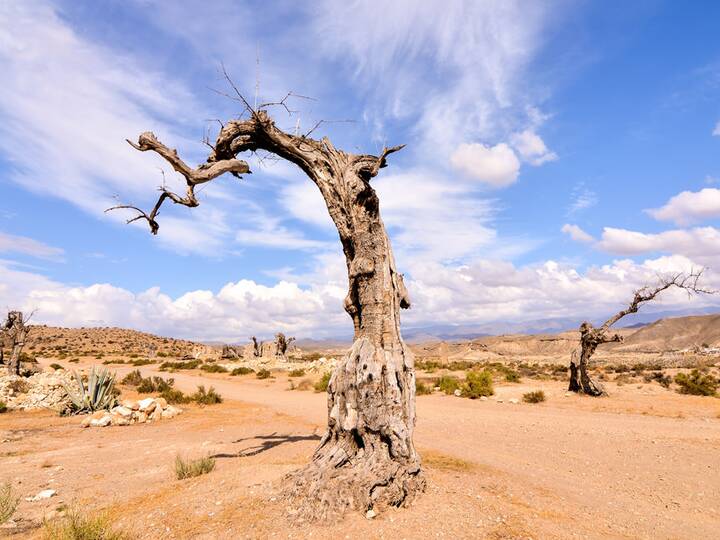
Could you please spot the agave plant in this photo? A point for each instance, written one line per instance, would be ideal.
(97, 394)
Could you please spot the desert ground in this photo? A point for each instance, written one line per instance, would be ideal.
(640, 463)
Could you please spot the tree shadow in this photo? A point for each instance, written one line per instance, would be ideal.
(267, 442)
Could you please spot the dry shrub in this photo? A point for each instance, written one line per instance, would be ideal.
(696, 383)
(322, 384)
(422, 389)
(537, 396)
(8, 502)
(77, 525)
(478, 384)
(190, 468)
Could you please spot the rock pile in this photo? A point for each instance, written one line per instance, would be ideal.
(132, 412)
(39, 391)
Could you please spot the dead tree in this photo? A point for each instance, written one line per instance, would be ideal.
(282, 343)
(591, 337)
(16, 329)
(256, 347)
(367, 458)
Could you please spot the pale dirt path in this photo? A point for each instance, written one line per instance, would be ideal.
(624, 475)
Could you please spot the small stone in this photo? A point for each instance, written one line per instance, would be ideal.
(162, 403)
(140, 417)
(86, 422)
(370, 514)
(122, 411)
(483, 398)
(131, 404)
(458, 392)
(101, 422)
(514, 401)
(44, 494)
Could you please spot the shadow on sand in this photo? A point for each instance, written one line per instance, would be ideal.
(267, 442)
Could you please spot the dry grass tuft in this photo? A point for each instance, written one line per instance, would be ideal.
(79, 526)
(190, 468)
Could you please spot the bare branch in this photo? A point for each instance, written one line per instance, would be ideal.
(690, 282)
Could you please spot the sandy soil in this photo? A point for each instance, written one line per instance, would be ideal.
(643, 463)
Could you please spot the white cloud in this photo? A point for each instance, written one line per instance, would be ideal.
(582, 198)
(716, 131)
(700, 243)
(496, 166)
(532, 148)
(576, 233)
(689, 207)
(20, 244)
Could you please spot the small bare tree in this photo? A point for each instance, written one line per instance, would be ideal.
(367, 458)
(591, 337)
(282, 343)
(16, 329)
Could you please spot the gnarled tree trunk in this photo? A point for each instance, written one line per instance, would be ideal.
(367, 458)
(591, 337)
(16, 329)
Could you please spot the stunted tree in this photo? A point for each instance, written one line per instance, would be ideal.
(282, 343)
(591, 337)
(366, 459)
(16, 330)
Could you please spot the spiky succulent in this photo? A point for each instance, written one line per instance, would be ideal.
(97, 394)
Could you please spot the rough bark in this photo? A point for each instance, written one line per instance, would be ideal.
(282, 343)
(366, 459)
(17, 331)
(591, 337)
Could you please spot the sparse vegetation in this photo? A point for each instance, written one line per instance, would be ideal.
(206, 397)
(214, 368)
(478, 384)
(77, 525)
(169, 366)
(19, 386)
(175, 396)
(134, 378)
(263, 374)
(3, 407)
(142, 362)
(422, 389)
(512, 376)
(448, 384)
(8, 502)
(55, 366)
(322, 384)
(296, 373)
(537, 396)
(242, 371)
(185, 468)
(696, 383)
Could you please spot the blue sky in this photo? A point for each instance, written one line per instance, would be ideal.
(559, 155)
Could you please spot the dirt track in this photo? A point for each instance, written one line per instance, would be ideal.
(619, 467)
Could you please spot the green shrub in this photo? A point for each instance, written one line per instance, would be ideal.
(296, 373)
(322, 384)
(56, 366)
(213, 368)
(162, 354)
(242, 371)
(174, 396)
(538, 396)
(155, 384)
(142, 362)
(206, 397)
(263, 374)
(133, 378)
(194, 467)
(512, 376)
(659, 377)
(696, 383)
(311, 357)
(460, 365)
(422, 389)
(78, 526)
(477, 384)
(3, 407)
(448, 384)
(8, 502)
(192, 364)
(98, 394)
(427, 365)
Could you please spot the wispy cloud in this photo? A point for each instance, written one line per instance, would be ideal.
(27, 246)
(582, 198)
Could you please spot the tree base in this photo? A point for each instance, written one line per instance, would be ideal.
(582, 383)
(320, 492)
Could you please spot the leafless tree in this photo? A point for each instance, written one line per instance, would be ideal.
(367, 458)
(16, 329)
(591, 337)
(282, 343)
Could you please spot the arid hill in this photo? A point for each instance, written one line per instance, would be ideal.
(676, 334)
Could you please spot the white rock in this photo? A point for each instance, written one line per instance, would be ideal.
(458, 392)
(122, 411)
(370, 514)
(145, 404)
(101, 422)
(483, 398)
(514, 401)
(44, 494)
